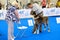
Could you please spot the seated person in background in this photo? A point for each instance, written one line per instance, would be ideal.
(58, 3)
(38, 16)
(0, 6)
(48, 4)
(43, 3)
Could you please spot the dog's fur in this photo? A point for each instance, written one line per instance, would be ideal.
(44, 19)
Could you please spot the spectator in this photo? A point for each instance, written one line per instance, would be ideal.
(0, 6)
(58, 3)
(48, 4)
(43, 3)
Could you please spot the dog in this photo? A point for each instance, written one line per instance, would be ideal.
(39, 19)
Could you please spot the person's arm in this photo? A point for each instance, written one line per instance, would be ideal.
(16, 13)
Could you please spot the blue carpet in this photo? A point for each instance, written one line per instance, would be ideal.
(53, 35)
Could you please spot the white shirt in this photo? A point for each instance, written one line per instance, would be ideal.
(36, 8)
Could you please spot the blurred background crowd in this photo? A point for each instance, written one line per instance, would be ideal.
(4, 4)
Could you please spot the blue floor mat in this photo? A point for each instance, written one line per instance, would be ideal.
(53, 35)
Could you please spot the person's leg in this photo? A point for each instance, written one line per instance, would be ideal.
(10, 30)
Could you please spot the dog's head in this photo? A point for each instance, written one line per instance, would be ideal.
(33, 13)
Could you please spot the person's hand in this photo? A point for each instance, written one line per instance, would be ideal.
(18, 21)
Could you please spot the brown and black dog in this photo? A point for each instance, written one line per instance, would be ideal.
(39, 19)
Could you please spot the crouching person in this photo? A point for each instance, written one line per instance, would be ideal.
(37, 12)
